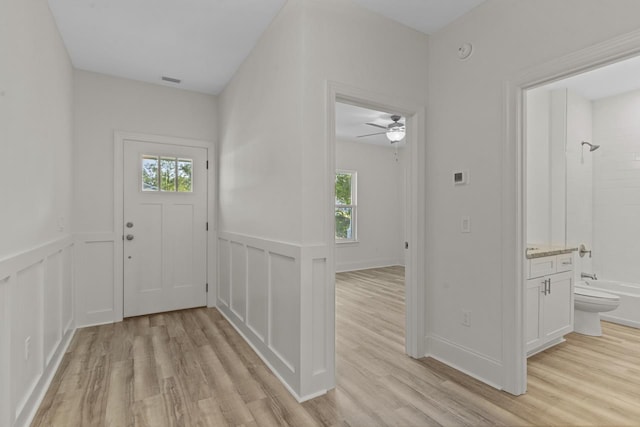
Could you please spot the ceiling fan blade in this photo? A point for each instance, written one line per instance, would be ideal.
(377, 125)
(371, 134)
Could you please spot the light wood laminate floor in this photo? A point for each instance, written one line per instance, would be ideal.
(190, 368)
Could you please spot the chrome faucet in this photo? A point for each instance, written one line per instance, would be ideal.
(591, 276)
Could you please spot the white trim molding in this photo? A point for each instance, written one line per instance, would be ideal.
(514, 376)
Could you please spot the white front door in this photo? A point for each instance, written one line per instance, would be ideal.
(164, 227)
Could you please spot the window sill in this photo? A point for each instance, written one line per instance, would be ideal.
(347, 242)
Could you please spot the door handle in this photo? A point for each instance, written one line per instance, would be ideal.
(129, 236)
(549, 286)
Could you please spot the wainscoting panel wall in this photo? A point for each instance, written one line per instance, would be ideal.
(95, 274)
(275, 295)
(36, 325)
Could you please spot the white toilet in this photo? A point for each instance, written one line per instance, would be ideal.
(589, 303)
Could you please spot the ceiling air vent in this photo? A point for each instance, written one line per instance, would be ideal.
(171, 79)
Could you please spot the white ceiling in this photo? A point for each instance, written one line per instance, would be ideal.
(201, 42)
(606, 81)
(351, 123)
(427, 16)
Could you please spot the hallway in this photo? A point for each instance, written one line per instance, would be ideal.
(191, 368)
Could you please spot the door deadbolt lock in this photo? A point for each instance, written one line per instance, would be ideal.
(129, 236)
(129, 224)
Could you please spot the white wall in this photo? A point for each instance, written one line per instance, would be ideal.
(538, 185)
(103, 105)
(35, 245)
(380, 211)
(617, 187)
(274, 163)
(36, 130)
(466, 130)
(261, 137)
(342, 44)
(546, 127)
(558, 167)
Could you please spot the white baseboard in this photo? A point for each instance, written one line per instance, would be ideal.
(472, 363)
(32, 404)
(365, 265)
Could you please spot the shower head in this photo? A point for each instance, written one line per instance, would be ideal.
(592, 147)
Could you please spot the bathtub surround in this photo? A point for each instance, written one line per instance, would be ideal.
(579, 176)
(616, 178)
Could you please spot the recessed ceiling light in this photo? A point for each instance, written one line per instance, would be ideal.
(171, 79)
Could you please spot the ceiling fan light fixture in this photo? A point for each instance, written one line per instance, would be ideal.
(396, 132)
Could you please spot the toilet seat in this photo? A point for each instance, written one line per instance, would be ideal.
(591, 295)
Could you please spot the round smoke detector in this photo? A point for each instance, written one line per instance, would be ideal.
(464, 51)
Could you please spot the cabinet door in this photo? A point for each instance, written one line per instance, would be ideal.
(533, 318)
(557, 308)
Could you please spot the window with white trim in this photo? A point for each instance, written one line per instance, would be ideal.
(346, 206)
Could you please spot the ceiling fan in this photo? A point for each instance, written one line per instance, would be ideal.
(395, 130)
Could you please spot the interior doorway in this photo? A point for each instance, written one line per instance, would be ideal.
(370, 235)
(581, 145)
(515, 263)
(414, 200)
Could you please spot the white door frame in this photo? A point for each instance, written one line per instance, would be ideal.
(415, 114)
(514, 190)
(118, 211)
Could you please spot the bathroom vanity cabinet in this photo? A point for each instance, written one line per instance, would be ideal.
(549, 301)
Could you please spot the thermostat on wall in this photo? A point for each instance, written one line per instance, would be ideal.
(460, 177)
